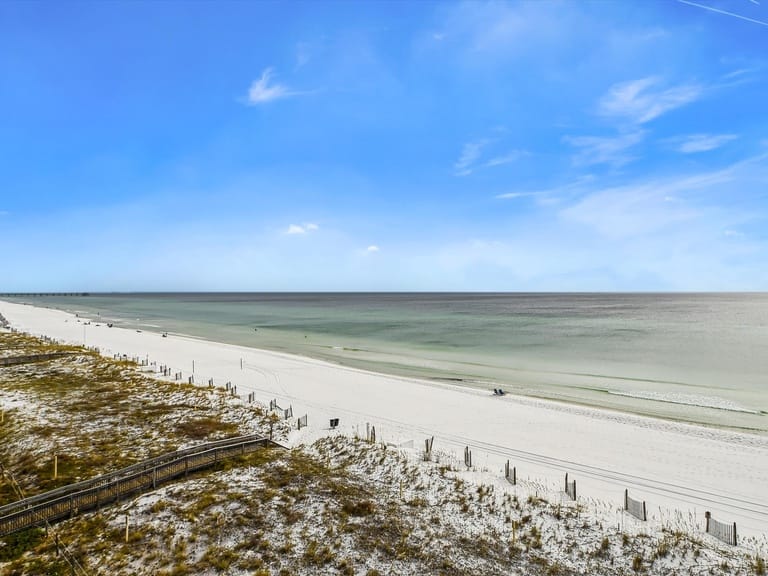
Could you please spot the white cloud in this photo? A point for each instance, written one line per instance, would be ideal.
(511, 195)
(469, 161)
(263, 90)
(303, 54)
(555, 194)
(642, 209)
(469, 156)
(512, 156)
(372, 248)
(604, 150)
(640, 101)
(302, 228)
(703, 142)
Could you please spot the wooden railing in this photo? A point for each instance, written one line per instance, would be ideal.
(68, 501)
(29, 358)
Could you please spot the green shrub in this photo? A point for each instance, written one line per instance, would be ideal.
(14, 545)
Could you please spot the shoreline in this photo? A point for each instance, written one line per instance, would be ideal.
(614, 387)
(551, 401)
(677, 466)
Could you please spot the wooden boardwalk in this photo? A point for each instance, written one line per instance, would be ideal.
(68, 501)
(29, 358)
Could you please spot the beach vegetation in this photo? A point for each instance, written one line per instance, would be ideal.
(14, 545)
(637, 563)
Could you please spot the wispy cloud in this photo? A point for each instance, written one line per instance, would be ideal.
(265, 90)
(724, 12)
(613, 150)
(509, 157)
(302, 228)
(372, 249)
(470, 158)
(640, 209)
(470, 153)
(303, 54)
(553, 195)
(738, 73)
(512, 195)
(702, 142)
(640, 101)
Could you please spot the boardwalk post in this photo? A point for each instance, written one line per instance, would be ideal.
(707, 516)
(735, 541)
(126, 528)
(55, 465)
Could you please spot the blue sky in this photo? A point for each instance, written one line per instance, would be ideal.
(554, 146)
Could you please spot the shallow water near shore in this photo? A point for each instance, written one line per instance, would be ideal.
(697, 358)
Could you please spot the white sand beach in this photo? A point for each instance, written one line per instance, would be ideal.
(680, 470)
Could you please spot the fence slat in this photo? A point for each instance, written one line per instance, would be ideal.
(570, 487)
(721, 530)
(635, 507)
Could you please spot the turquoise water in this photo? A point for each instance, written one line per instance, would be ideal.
(700, 358)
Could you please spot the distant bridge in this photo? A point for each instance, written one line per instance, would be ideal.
(36, 294)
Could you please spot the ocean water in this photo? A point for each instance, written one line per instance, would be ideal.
(700, 358)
